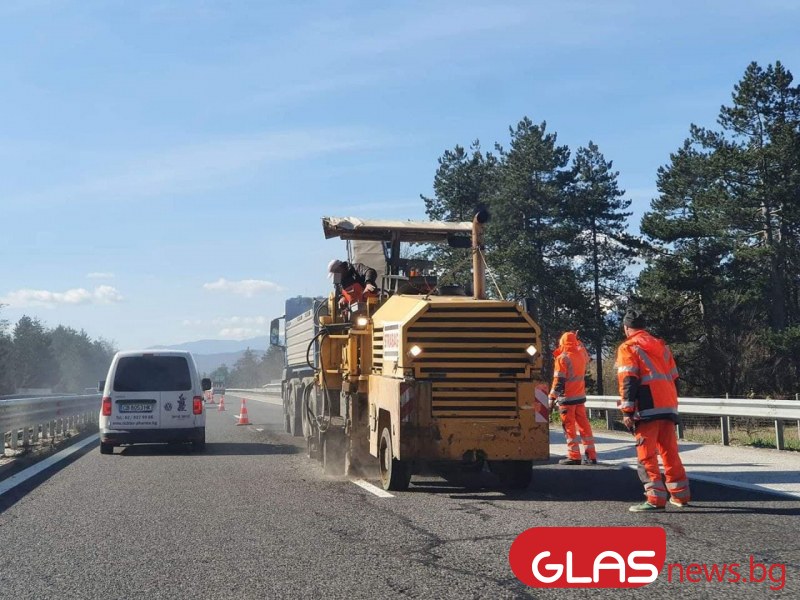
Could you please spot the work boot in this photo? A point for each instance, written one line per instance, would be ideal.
(645, 507)
(678, 503)
(570, 461)
(589, 461)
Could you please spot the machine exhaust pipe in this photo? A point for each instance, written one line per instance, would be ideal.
(478, 249)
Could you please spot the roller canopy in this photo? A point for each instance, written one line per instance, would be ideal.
(353, 228)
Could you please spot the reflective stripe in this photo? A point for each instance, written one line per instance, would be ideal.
(646, 360)
(683, 483)
(628, 370)
(674, 373)
(559, 374)
(654, 376)
(574, 379)
(652, 412)
(682, 494)
(655, 485)
(570, 370)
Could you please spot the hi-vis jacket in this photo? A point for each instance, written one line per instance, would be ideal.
(646, 374)
(569, 371)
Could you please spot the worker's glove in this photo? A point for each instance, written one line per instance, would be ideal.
(342, 302)
(629, 423)
(552, 402)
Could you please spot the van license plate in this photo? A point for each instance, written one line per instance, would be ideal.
(136, 407)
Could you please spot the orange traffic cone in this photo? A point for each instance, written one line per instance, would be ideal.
(221, 404)
(243, 419)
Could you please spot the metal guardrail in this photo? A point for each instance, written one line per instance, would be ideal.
(270, 388)
(724, 408)
(46, 416)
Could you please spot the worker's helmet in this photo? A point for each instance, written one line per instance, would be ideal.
(333, 267)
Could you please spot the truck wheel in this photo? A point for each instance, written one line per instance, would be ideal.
(286, 396)
(333, 454)
(295, 419)
(106, 448)
(513, 474)
(395, 474)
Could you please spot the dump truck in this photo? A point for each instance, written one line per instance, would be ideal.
(418, 374)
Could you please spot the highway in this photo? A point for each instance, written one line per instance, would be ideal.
(252, 517)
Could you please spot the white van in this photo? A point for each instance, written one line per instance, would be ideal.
(152, 397)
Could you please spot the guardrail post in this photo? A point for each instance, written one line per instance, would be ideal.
(679, 430)
(779, 434)
(725, 425)
(609, 420)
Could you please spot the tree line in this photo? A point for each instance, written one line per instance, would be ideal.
(716, 268)
(251, 370)
(61, 359)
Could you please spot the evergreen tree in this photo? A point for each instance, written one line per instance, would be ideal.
(463, 181)
(33, 361)
(603, 244)
(726, 284)
(531, 234)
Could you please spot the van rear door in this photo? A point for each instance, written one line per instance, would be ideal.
(152, 391)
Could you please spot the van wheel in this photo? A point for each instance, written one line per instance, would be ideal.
(395, 474)
(106, 448)
(199, 445)
(513, 474)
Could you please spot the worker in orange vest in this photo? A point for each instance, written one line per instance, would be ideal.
(646, 374)
(569, 393)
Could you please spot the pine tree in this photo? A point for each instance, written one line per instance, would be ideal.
(531, 234)
(599, 211)
(463, 181)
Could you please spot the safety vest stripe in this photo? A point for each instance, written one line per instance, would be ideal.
(574, 379)
(559, 374)
(646, 360)
(568, 362)
(652, 412)
(656, 377)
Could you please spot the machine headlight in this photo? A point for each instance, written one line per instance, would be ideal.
(531, 350)
(414, 351)
(362, 321)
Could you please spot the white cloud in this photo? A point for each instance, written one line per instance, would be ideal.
(239, 333)
(245, 287)
(240, 321)
(104, 294)
(98, 275)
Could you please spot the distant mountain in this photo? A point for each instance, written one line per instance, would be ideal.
(259, 344)
(206, 363)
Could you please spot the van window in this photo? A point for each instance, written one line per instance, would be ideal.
(152, 374)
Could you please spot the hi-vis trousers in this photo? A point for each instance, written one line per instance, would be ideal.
(573, 416)
(654, 439)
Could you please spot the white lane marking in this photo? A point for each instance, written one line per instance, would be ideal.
(259, 429)
(372, 489)
(33, 470)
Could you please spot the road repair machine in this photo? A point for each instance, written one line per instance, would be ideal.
(418, 373)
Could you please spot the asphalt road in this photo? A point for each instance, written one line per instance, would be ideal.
(252, 517)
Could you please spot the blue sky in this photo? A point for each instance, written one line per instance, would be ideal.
(164, 164)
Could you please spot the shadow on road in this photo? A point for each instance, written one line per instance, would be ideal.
(212, 449)
(556, 483)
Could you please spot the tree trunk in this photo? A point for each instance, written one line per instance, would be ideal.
(598, 315)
